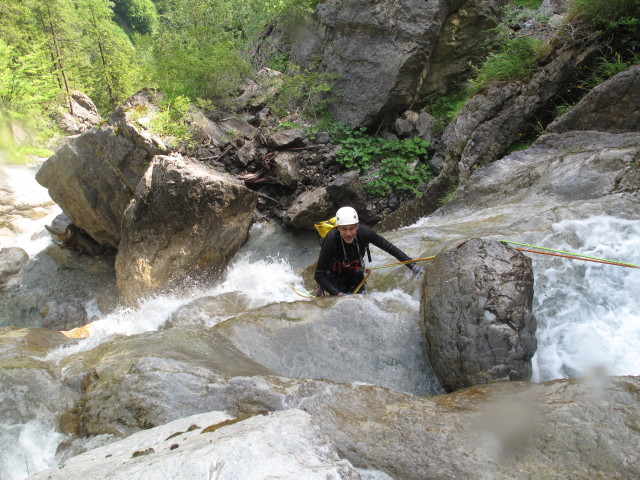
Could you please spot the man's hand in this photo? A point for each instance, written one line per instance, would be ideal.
(417, 270)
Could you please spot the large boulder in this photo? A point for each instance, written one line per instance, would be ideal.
(308, 209)
(80, 117)
(186, 219)
(378, 51)
(94, 175)
(476, 311)
(389, 56)
(612, 107)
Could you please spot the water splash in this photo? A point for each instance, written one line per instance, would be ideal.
(588, 312)
(29, 447)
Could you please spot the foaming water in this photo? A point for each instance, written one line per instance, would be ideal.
(261, 282)
(31, 209)
(29, 447)
(588, 313)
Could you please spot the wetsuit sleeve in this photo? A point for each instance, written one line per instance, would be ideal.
(382, 243)
(327, 254)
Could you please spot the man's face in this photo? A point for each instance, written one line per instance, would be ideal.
(348, 232)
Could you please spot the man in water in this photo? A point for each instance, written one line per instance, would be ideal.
(340, 267)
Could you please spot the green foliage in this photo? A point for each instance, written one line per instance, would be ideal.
(109, 67)
(616, 21)
(607, 67)
(305, 92)
(388, 165)
(139, 15)
(27, 83)
(451, 191)
(530, 4)
(170, 121)
(515, 59)
(445, 109)
(210, 71)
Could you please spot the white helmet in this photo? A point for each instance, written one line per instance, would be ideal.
(346, 216)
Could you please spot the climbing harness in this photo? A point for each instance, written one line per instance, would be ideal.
(368, 271)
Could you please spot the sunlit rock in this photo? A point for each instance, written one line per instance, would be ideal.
(82, 116)
(186, 220)
(93, 178)
(212, 445)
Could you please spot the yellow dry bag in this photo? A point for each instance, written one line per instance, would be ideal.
(326, 226)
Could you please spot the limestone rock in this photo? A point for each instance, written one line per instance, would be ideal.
(308, 209)
(292, 138)
(94, 175)
(347, 190)
(286, 444)
(493, 120)
(11, 261)
(378, 51)
(613, 107)
(476, 307)
(286, 168)
(185, 220)
(84, 117)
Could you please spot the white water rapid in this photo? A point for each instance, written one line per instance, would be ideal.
(588, 313)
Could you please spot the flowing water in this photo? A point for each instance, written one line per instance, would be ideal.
(587, 312)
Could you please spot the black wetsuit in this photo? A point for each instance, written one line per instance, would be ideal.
(340, 266)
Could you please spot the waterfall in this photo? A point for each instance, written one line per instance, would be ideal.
(587, 312)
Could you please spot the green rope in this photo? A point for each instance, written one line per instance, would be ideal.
(573, 254)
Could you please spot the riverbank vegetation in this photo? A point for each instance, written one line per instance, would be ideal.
(197, 51)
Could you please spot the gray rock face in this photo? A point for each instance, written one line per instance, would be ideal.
(292, 138)
(347, 190)
(492, 121)
(476, 308)
(308, 209)
(461, 40)
(613, 107)
(94, 176)
(487, 432)
(186, 220)
(85, 115)
(11, 261)
(380, 344)
(378, 50)
(286, 168)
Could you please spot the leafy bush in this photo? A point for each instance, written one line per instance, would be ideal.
(210, 72)
(389, 165)
(306, 92)
(140, 15)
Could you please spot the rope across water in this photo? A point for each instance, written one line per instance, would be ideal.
(547, 251)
